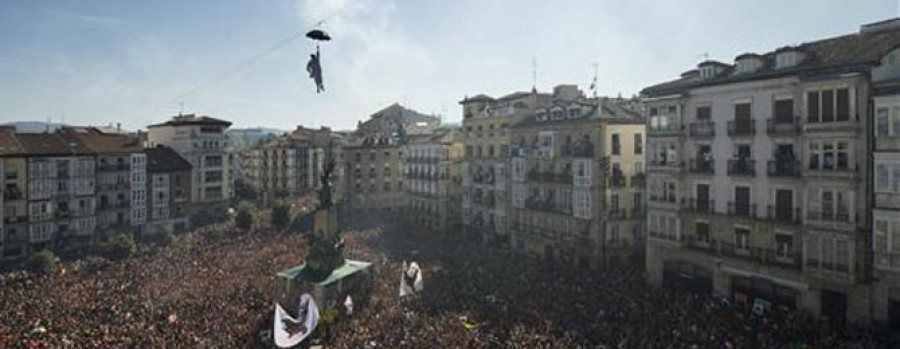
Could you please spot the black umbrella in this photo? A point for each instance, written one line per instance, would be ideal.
(318, 35)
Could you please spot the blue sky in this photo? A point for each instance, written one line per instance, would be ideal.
(104, 61)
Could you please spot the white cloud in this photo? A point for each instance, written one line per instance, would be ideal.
(371, 61)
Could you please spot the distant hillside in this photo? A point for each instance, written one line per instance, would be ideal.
(243, 138)
(33, 126)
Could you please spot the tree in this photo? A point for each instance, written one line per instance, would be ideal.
(119, 247)
(281, 214)
(158, 236)
(43, 261)
(243, 191)
(244, 217)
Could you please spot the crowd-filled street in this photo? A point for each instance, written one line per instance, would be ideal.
(215, 290)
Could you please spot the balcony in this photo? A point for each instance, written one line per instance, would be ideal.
(13, 194)
(638, 180)
(616, 213)
(578, 150)
(700, 206)
(742, 167)
(742, 209)
(617, 180)
(546, 205)
(114, 186)
(887, 260)
(663, 198)
(113, 167)
(763, 255)
(784, 169)
(745, 128)
(662, 131)
(784, 215)
(701, 243)
(656, 165)
(638, 211)
(702, 129)
(704, 167)
(112, 205)
(828, 216)
(665, 237)
(783, 128)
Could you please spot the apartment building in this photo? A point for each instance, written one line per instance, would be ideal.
(202, 142)
(886, 184)
(433, 181)
(60, 191)
(373, 161)
(169, 189)
(14, 216)
(758, 176)
(120, 186)
(572, 160)
(288, 165)
(486, 132)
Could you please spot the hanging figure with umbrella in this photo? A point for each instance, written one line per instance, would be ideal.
(314, 67)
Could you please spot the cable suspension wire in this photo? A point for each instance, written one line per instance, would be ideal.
(247, 62)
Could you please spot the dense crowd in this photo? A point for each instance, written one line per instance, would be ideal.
(206, 290)
(215, 290)
(515, 302)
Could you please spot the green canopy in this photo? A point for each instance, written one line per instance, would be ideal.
(349, 267)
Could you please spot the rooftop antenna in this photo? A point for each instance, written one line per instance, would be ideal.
(533, 74)
(705, 56)
(180, 108)
(594, 80)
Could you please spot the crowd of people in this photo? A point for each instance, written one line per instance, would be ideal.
(479, 298)
(216, 290)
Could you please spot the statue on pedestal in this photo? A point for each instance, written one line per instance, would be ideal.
(325, 244)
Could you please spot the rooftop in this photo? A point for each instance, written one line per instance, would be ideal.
(100, 142)
(51, 144)
(855, 52)
(165, 159)
(191, 119)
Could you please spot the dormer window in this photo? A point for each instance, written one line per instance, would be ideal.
(707, 72)
(573, 113)
(558, 114)
(747, 63)
(787, 57)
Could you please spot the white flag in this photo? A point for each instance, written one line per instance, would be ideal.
(348, 305)
(410, 279)
(289, 331)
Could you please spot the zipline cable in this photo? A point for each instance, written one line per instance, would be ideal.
(247, 62)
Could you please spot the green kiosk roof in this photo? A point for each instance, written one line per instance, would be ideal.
(350, 267)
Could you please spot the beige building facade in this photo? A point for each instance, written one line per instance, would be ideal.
(758, 174)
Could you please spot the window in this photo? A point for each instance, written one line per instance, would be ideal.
(638, 144)
(741, 239)
(784, 245)
(812, 106)
(784, 111)
(882, 121)
(614, 202)
(882, 177)
(829, 155)
(828, 105)
(616, 145)
(701, 229)
(704, 113)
